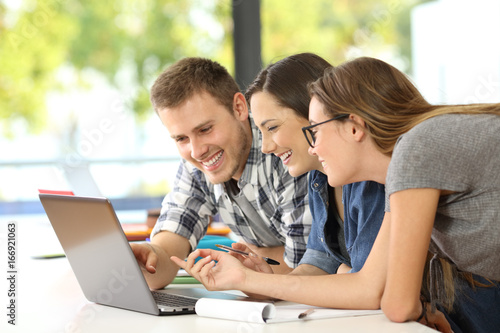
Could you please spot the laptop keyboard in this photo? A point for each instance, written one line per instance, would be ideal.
(171, 300)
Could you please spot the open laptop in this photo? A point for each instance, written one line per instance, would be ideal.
(103, 262)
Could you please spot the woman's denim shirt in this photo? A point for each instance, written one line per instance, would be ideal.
(364, 204)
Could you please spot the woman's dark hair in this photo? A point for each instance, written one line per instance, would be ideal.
(287, 80)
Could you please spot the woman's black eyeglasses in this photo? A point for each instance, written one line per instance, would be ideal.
(310, 135)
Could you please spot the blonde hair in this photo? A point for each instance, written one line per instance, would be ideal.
(450, 275)
(391, 105)
(383, 97)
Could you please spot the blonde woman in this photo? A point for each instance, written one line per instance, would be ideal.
(440, 165)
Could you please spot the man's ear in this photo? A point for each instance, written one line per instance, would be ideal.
(240, 106)
(357, 127)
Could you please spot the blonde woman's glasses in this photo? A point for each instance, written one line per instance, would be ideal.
(311, 135)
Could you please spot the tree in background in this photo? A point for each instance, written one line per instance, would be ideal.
(33, 44)
(128, 42)
(39, 37)
(338, 30)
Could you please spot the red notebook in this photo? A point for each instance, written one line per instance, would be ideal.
(55, 192)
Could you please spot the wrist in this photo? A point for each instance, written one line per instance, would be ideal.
(249, 281)
(423, 313)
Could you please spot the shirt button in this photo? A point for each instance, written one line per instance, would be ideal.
(322, 241)
(316, 184)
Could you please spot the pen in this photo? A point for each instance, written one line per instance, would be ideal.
(227, 248)
(305, 313)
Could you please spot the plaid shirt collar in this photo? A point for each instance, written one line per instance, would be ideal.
(254, 160)
(253, 163)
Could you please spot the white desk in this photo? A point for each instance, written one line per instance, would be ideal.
(50, 300)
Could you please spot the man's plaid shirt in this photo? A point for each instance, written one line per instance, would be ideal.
(280, 199)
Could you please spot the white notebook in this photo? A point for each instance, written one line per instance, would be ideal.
(267, 312)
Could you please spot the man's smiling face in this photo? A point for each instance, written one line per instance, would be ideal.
(209, 136)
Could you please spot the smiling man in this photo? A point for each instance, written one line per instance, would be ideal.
(222, 171)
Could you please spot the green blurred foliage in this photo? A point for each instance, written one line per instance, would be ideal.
(40, 36)
(141, 37)
(337, 30)
(33, 45)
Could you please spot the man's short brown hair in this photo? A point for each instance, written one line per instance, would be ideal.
(190, 76)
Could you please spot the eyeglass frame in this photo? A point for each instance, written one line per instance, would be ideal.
(308, 128)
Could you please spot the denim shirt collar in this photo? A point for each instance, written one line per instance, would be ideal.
(317, 180)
